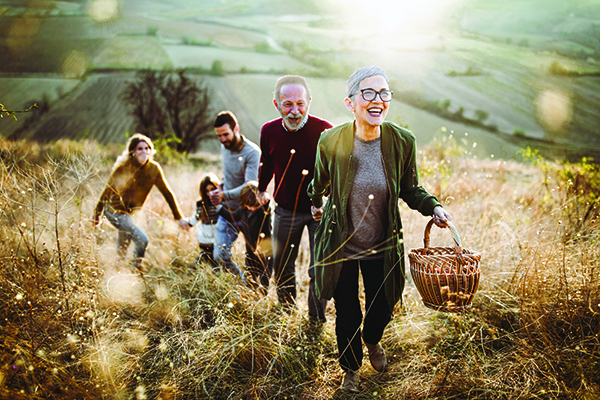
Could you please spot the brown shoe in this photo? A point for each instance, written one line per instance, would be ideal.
(350, 383)
(377, 356)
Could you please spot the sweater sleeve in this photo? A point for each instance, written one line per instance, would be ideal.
(251, 162)
(108, 191)
(321, 179)
(266, 166)
(194, 219)
(166, 191)
(415, 196)
(231, 216)
(102, 202)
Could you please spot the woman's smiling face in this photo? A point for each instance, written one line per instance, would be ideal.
(370, 112)
(141, 153)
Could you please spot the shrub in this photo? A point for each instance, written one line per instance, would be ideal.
(519, 132)
(171, 107)
(217, 69)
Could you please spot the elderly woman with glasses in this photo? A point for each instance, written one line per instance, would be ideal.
(368, 165)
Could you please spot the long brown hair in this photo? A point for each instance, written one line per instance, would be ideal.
(208, 179)
(132, 143)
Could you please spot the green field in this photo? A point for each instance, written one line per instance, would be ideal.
(234, 61)
(132, 52)
(257, 40)
(92, 111)
(20, 93)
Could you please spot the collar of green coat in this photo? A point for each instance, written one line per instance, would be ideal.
(387, 131)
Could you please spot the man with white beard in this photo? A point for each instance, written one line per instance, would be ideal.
(289, 146)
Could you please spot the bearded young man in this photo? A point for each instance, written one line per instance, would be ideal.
(240, 158)
(288, 145)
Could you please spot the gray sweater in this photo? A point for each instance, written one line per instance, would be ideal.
(240, 165)
(367, 203)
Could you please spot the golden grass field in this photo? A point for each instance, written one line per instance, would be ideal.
(78, 323)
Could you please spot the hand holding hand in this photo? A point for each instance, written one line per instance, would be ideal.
(317, 213)
(184, 224)
(441, 217)
(264, 198)
(216, 196)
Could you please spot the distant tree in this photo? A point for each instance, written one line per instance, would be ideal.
(458, 115)
(519, 132)
(263, 47)
(169, 105)
(481, 115)
(445, 105)
(217, 68)
(556, 68)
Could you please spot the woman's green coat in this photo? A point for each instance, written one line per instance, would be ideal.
(335, 168)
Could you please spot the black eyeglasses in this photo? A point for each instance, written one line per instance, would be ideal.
(370, 94)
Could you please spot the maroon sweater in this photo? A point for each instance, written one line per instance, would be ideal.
(276, 144)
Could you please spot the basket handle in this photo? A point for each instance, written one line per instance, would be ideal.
(453, 230)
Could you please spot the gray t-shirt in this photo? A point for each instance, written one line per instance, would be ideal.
(368, 201)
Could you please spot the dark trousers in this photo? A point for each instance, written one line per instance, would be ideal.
(260, 267)
(206, 255)
(349, 315)
(287, 233)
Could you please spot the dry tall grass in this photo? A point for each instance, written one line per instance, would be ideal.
(77, 323)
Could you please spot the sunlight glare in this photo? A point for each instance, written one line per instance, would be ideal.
(22, 33)
(388, 16)
(75, 64)
(103, 10)
(554, 109)
(126, 288)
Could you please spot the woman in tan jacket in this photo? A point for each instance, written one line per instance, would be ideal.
(132, 178)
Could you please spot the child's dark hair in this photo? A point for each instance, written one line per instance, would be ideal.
(249, 195)
(209, 179)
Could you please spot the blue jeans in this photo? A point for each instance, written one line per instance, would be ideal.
(225, 234)
(128, 230)
(287, 233)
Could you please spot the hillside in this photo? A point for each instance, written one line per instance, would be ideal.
(452, 70)
(78, 323)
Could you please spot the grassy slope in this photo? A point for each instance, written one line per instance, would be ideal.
(513, 78)
(569, 28)
(193, 334)
(12, 90)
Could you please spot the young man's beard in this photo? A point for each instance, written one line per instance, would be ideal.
(230, 144)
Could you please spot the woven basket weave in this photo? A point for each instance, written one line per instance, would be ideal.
(446, 277)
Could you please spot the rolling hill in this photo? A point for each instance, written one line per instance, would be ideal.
(471, 71)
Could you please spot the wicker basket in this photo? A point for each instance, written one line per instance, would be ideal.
(446, 277)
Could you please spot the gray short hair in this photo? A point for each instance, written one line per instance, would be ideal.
(353, 83)
(290, 80)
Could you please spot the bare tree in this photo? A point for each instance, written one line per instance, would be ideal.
(169, 104)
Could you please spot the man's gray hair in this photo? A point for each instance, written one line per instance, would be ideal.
(353, 83)
(291, 80)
